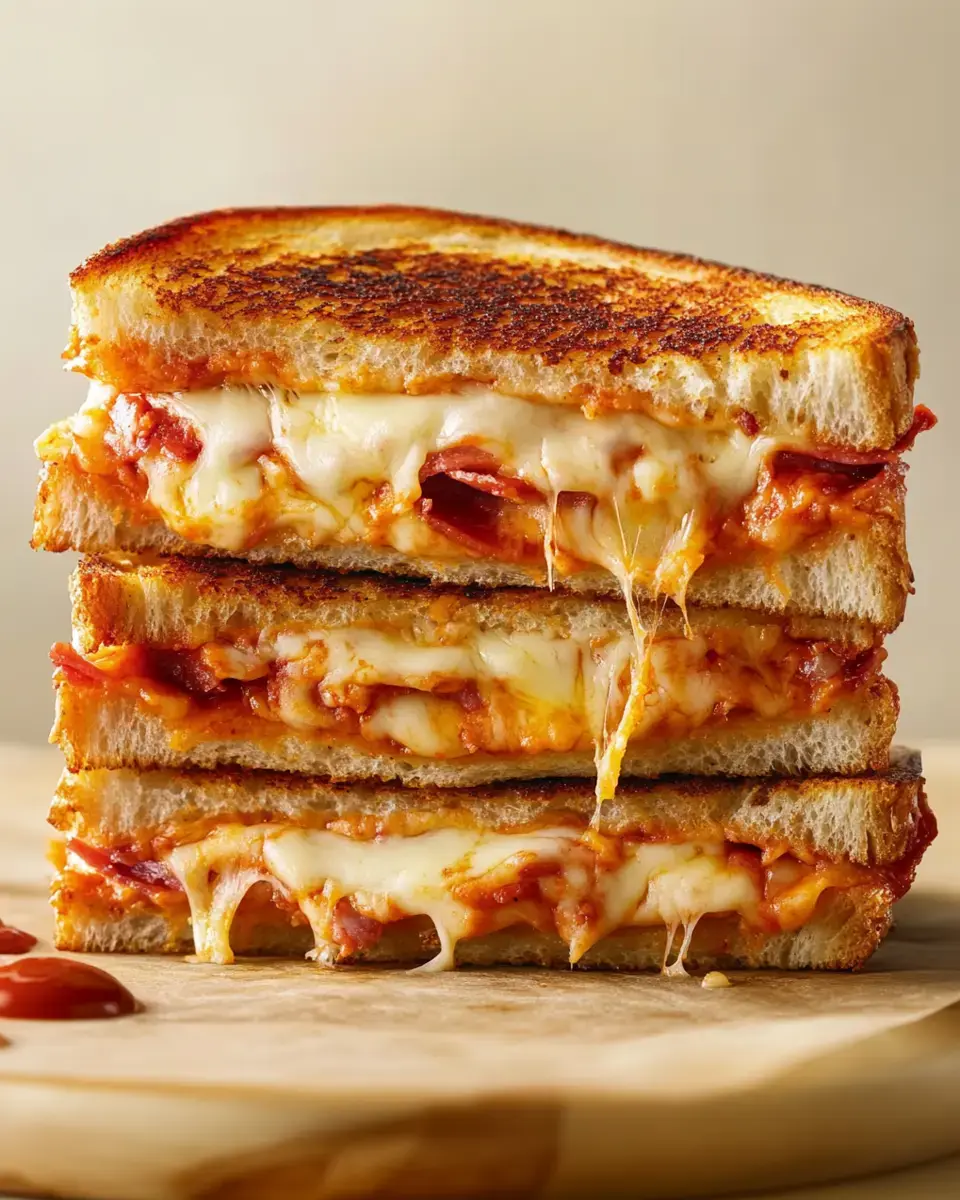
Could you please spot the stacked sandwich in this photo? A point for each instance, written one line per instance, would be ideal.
(463, 591)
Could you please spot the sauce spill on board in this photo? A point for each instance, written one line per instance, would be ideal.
(61, 989)
(15, 941)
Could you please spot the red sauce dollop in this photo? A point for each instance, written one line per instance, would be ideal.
(61, 989)
(15, 941)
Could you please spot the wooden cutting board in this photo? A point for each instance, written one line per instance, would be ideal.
(278, 1079)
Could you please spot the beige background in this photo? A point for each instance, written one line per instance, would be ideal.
(813, 138)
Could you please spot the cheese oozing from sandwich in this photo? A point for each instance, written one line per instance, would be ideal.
(448, 689)
(469, 882)
(232, 466)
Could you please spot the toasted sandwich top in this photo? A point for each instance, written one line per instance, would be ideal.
(397, 299)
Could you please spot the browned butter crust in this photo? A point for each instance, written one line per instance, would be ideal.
(118, 600)
(559, 310)
(468, 290)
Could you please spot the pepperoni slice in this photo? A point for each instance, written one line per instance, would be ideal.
(184, 669)
(352, 931)
(478, 469)
(461, 513)
(145, 873)
(140, 428)
(858, 466)
(842, 476)
(74, 665)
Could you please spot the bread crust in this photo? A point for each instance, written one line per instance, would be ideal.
(872, 820)
(863, 576)
(398, 299)
(183, 602)
(847, 928)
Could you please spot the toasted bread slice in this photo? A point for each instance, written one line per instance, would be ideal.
(115, 730)
(846, 931)
(396, 299)
(185, 602)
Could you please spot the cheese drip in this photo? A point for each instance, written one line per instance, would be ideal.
(320, 457)
(386, 879)
(528, 692)
(610, 547)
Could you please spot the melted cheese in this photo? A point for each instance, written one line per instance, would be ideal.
(541, 678)
(447, 690)
(423, 724)
(532, 680)
(716, 979)
(537, 667)
(337, 449)
(394, 877)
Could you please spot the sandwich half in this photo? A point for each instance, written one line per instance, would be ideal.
(189, 663)
(477, 401)
(709, 873)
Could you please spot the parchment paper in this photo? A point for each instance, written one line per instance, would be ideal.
(280, 1079)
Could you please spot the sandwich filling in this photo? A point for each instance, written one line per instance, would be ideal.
(348, 884)
(474, 474)
(449, 690)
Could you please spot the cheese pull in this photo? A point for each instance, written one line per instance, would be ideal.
(467, 882)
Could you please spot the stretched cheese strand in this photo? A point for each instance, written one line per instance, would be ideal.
(677, 968)
(550, 532)
(215, 895)
(611, 747)
(612, 553)
(393, 877)
(681, 558)
(319, 909)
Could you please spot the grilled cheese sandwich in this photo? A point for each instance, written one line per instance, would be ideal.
(283, 401)
(347, 867)
(660, 506)
(408, 677)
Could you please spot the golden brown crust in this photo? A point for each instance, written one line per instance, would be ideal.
(473, 294)
(193, 264)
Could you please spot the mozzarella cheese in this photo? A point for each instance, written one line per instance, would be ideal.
(339, 448)
(226, 481)
(393, 877)
(537, 667)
